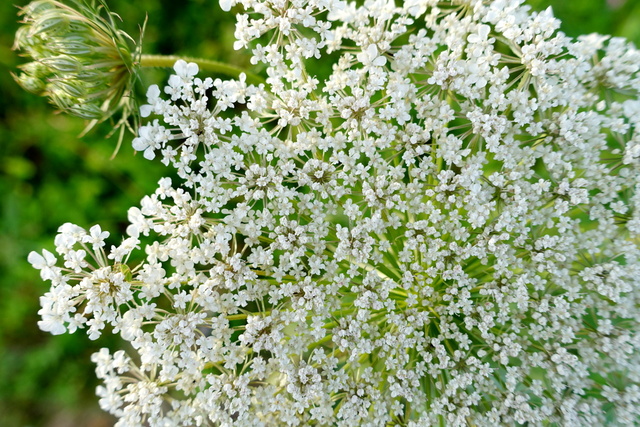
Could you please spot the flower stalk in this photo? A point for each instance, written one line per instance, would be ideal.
(168, 61)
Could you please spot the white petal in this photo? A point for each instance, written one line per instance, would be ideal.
(483, 30)
(52, 325)
(49, 258)
(153, 93)
(192, 69)
(180, 67)
(36, 260)
(149, 154)
(372, 51)
(226, 5)
(146, 110)
(139, 144)
(379, 61)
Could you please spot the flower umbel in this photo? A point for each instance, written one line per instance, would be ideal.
(81, 61)
(442, 228)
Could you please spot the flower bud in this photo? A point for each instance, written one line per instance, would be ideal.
(49, 24)
(87, 111)
(38, 7)
(62, 64)
(81, 61)
(36, 70)
(30, 84)
(73, 88)
(62, 99)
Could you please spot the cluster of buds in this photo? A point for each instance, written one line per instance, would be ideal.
(81, 61)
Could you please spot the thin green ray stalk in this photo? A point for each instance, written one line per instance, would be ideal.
(204, 64)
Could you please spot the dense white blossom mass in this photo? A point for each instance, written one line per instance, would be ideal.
(428, 215)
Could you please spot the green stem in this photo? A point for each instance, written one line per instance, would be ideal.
(203, 64)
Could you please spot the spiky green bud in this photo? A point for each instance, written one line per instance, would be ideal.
(81, 61)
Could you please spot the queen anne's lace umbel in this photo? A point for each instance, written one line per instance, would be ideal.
(428, 215)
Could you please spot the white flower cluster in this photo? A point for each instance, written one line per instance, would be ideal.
(428, 215)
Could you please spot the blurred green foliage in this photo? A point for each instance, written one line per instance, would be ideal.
(49, 176)
(614, 17)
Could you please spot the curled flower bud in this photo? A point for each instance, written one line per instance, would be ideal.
(81, 61)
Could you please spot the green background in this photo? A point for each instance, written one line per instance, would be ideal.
(49, 176)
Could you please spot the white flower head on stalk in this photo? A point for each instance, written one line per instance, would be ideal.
(441, 228)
